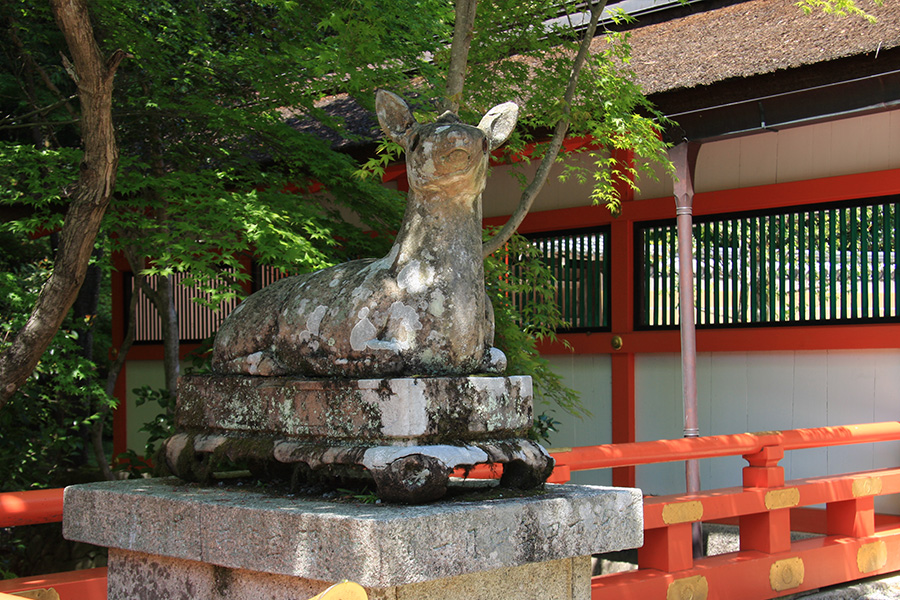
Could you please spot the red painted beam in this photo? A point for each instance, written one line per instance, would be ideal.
(751, 575)
(641, 453)
(726, 339)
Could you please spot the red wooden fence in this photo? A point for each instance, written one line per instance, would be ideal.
(768, 563)
(854, 544)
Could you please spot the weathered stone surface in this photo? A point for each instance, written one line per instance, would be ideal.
(420, 310)
(402, 473)
(421, 409)
(136, 576)
(378, 546)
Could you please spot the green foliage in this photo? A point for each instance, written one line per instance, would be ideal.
(519, 326)
(45, 426)
(247, 76)
(519, 56)
(837, 7)
(544, 426)
(363, 496)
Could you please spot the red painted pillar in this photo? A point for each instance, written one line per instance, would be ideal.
(854, 518)
(623, 409)
(667, 548)
(621, 310)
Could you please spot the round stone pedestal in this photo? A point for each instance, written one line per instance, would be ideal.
(408, 435)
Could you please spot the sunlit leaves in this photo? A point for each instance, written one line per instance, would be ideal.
(838, 7)
(520, 325)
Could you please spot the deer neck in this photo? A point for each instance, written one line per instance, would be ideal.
(441, 230)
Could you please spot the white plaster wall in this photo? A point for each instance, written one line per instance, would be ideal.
(138, 374)
(739, 392)
(502, 192)
(842, 147)
(590, 374)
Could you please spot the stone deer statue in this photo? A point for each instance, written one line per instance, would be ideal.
(420, 310)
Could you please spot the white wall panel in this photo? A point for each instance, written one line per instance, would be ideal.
(887, 408)
(590, 374)
(762, 391)
(659, 416)
(893, 132)
(810, 410)
(841, 147)
(728, 389)
(851, 399)
(502, 192)
(758, 159)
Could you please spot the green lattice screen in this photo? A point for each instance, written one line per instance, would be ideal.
(834, 263)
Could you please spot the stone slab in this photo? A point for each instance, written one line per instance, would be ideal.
(378, 546)
(137, 576)
(422, 408)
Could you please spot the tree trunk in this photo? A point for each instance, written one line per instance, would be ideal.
(171, 339)
(89, 196)
(459, 52)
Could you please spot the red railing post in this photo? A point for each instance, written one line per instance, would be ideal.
(763, 470)
(854, 518)
(667, 548)
(768, 531)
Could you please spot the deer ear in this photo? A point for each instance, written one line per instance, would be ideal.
(499, 122)
(394, 116)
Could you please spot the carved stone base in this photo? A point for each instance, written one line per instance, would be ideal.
(406, 434)
(407, 410)
(406, 474)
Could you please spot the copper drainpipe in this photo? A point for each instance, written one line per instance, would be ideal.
(684, 157)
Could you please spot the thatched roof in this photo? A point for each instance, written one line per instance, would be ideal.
(753, 38)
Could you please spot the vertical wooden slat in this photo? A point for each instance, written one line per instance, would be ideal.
(782, 270)
(737, 269)
(648, 280)
(718, 297)
(888, 257)
(833, 257)
(663, 261)
(802, 266)
(700, 242)
(673, 283)
(752, 248)
(866, 276)
(571, 297)
(854, 258)
(877, 217)
(896, 210)
(772, 263)
(583, 257)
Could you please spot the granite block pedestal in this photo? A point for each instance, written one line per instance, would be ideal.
(172, 540)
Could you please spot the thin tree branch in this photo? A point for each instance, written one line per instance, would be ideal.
(38, 124)
(38, 111)
(556, 142)
(45, 77)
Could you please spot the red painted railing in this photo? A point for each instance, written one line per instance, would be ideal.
(768, 564)
(46, 506)
(855, 543)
